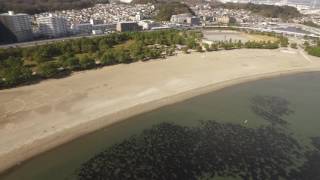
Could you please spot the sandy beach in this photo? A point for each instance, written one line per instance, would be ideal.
(38, 117)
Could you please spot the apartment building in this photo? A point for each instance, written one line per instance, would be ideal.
(18, 24)
(53, 26)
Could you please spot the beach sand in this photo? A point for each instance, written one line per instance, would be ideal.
(38, 117)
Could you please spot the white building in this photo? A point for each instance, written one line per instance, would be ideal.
(180, 18)
(96, 21)
(18, 24)
(126, 1)
(97, 32)
(104, 27)
(53, 26)
(138, 17)
(148, 24)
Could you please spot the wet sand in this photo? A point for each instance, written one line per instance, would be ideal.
(38, 117)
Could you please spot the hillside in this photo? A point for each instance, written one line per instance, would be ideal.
(283, 12)
(169, 7)
(166, 9)
(144, 1)
(189, 2)
(37, 6)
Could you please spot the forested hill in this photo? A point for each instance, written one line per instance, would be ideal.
(283, 12)
(166, 9)
(144, 1)
(37, 6)
(189, 2)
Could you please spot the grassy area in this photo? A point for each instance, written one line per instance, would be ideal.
(258, 37)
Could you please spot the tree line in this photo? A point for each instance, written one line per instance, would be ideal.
(311, 24)
(313, 50)
(58, 59)
(31, 64)
(229, 45)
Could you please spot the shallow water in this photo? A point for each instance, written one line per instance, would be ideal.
(230, 105)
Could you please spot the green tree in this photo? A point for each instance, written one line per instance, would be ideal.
(86, 62)
(48, 69)
(284, 41)
(191, 43)
(13, 72)
(315, 51)
(170, 51)
(122, 56)
(88, 45)
(103, 45)
(69, 61)
(108, 58)
(214, 47)
(239, 44)
(207, 47)
(39, 58)
(136, 51)
(294, 45)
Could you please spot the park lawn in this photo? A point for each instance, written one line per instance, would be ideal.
(258, 37)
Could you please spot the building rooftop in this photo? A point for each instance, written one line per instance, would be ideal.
(11, 13)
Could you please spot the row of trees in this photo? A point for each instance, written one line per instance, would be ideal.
(23, 65)
(311, 24)
(313, 50)
(229, 45)
(282, 40)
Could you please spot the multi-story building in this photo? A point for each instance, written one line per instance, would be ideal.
(225, 19)
(193, 20)
(186, 18)
(148, 24)
(104, 27)
(96, 21)
(18, 24)
(180, 18)
(82, 29)
(53, 26)
(128, 26)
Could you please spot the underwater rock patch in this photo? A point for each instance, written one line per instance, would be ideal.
(271, 108)
(169, 151)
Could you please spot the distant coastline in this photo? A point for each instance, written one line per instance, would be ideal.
(43, 116)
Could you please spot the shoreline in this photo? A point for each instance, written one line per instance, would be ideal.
(17, 156)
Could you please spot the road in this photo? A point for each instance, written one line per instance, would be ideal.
(46, 41)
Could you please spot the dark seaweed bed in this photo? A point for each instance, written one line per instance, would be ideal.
(168, 151)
